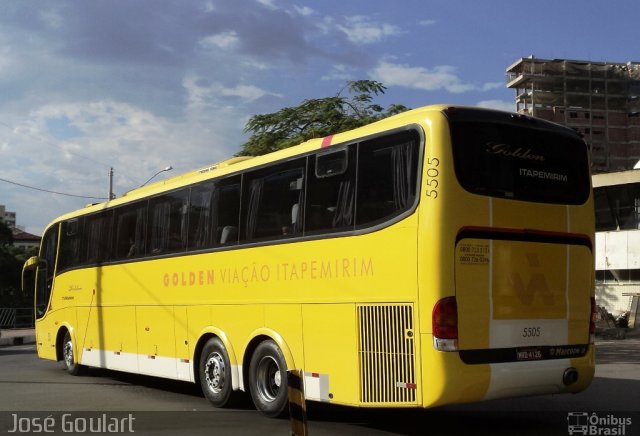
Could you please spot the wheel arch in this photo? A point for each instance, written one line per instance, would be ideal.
(257, 337)
(205, 335)
(64, 328)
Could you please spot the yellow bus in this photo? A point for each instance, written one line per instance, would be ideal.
(443, 255)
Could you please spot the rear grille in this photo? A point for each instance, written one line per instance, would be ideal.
(386, 354)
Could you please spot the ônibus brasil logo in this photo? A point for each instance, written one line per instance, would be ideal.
(593, 424)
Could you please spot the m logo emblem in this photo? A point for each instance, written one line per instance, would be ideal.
(529, 280)
(537, 284)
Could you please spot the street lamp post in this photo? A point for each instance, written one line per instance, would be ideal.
(169, 168)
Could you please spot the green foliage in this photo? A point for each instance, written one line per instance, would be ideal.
(6, 236)
(316, 118)
(11, 261)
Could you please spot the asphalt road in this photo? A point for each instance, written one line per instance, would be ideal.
(32, 390)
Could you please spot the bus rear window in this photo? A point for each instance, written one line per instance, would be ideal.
(522, 162)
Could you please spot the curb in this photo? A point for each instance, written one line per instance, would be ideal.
(18, 340)
(17, 337)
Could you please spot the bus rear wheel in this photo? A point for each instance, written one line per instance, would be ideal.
(268, 379)
(68, 356)
(215, 373)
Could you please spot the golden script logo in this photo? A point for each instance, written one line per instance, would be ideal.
(509, 150)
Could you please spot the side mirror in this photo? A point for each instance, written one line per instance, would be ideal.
(31, 263)
(28, 269)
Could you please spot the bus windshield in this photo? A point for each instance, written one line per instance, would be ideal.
(514, 157)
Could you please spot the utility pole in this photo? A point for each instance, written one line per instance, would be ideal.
(111, 194)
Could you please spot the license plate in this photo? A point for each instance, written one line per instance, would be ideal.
(529, 354)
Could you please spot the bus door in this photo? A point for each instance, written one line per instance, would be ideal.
(38, 272)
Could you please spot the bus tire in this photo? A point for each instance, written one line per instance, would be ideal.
(215, 373)
(268, 379)
(68, 356)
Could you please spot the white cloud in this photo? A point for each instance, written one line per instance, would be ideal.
(361, 30)
(222, 40)
(305, 11)
(269, 4)
(437, 78)
(492, 85)
(132, 140)
(248, 92)
(503, 105)
(205, 96)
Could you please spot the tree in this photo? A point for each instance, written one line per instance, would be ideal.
(11, 261)
(6, 236)
(316, 118)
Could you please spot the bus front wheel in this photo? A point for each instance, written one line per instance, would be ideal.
(268, 379)
(68, 356)
(215, 373)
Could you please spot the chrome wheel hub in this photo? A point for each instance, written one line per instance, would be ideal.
(214, 373)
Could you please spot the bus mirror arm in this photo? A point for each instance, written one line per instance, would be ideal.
(30, 265)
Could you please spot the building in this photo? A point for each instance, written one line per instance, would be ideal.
(617, 250)
(9, 218)
(21, 239)
(601, 100)
(24, 240)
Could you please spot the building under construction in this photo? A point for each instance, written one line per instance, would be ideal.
(600, 100)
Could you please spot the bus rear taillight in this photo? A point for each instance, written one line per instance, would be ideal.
(445, 324)
(592, 321)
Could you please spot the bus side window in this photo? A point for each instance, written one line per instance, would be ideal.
(331, 191)
(270, 199)
(387, 177)
(201, 231)
(69, 253)
(168, 223)
(96, 240)
(227, 211)
(130, 231)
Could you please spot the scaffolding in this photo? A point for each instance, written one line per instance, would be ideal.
(600, 100)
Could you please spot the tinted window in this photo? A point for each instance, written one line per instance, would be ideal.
(130, 231)
(520, 161)
(331, 163)
(215, 213)
(227, 211)
(272, 202)
(201, 231)
(168, 222)
(96, 238)
(387, 177)
(331, 191)
(69, 255)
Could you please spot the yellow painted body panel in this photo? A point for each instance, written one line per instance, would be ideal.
(447, 380)
(330, 335)
(238, 295)
(155, 331)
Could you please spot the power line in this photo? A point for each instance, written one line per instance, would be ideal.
(73, 153)
(52, 192)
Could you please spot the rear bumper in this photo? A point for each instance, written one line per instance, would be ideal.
(448, 380)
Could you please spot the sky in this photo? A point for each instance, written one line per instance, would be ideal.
(139, 85)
